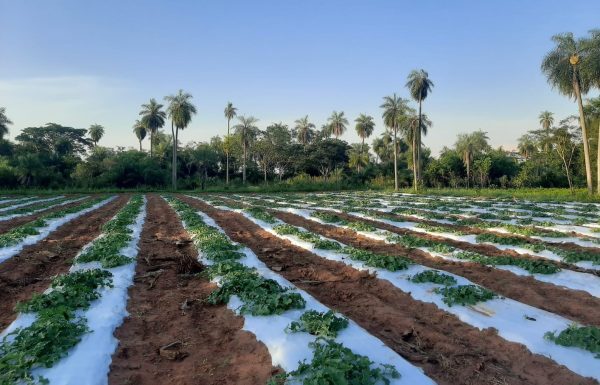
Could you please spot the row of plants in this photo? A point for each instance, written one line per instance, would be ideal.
(59, 324)
(34, 207)
(13, 202)
(18, 234)
(332, 362)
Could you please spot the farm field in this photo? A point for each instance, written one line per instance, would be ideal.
(298, 288)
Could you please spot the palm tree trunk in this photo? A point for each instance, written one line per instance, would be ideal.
(227, 155)
(174, 160)
(151, 142)
(419, 145)
(467, 158)
(395, 162)
(586, 145)
(414, 161)
(265, 169)
(244, 166)
(598, 163)
(141, 145)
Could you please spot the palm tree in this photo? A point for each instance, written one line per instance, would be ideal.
(592, 112)
(526, 146)
(4, 123)
(364, 128)
(394, 114)
(180, 110)
(357, 157)
(469, 145)
(230, 113)
(139, 129)
(247, 130)
(565, 67)
(153, 118)
(304, 130)
(96, 133)
(419, 86)
(546, 120)
(337, 123)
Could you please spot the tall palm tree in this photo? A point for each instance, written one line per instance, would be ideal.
(594, 69)
(139, 129)
(470, 145)
(546, 120)
(419, 86)
(153, 118)
(394, 113)
(304, 130)
(337, 123)
(526, 146)
(4, 122)
(364, 128)
(247, 130)
(180, 111)
(565, 67)
(592, 112)
(96, 132)
(230, 113)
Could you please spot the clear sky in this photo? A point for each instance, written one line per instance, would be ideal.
(79, 62)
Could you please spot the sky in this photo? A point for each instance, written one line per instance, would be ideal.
(77, 63)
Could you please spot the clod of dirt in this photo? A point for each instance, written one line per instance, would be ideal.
(277, 268)
(173, 351)
(188, 265)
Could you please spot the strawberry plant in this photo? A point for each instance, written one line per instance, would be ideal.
(433, 276)
(465, 294)
(388, 262)
(584, 337)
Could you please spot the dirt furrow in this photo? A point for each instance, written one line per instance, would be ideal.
(573, 304)
(450, 351)
(31, 270)
(12, 223)
(167, 307)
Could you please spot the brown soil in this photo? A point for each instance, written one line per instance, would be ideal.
(12, 223)
(166, 307)
(449, 351)
(573, 304)
(31, 270)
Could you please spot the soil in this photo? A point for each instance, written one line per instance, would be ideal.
(449, 351)
(12, 223)
(32, 269)
(576, 305)
(172, 336)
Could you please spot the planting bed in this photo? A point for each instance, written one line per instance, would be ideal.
(357, 288)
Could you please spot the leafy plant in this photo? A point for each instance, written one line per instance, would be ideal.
(465, 294)
(584, 337)
(261, 214)
(534, 266)
(433, 276)
(333, 363)
(319, 324)
(388, 262)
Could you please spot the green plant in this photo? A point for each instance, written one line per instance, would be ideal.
(534, 266)
(333, 363)
(388, 262)
(433, 276)
(319, 324)
(584, 337)
(465, 294)
(261, 214)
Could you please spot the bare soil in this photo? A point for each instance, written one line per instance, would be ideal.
(32, 269)
(449, 351)
(172, 336)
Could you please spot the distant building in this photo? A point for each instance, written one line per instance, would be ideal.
(515, 155)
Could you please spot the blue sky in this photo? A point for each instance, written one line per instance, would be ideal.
(83, 62)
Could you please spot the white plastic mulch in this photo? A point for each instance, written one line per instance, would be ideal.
(12, 216)
(505, 315)
(287, 349)
(89, 361)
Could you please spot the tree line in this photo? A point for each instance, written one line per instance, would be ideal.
(551, 156)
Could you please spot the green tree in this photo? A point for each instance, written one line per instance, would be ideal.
(139, 129)
(153, 118)
(4, 123)
(230, 112)
(566, 69)
(526, 146)
(180, 110)
(592, 112)
(358, 156)
(304, 130)
(364, 128)
(337, 123)
(247, 130)
(394, 114)
(419, 86)
(470, 145)
(96, 133)
(565, 141)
